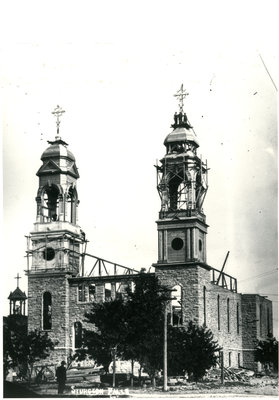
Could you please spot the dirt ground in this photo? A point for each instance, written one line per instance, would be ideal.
(254, 388)
(230, 389)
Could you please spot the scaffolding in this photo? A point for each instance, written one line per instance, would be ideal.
(88, 264)
(181, 187)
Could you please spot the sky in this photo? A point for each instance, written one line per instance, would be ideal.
(114, 68)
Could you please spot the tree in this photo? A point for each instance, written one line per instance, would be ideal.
(110, 324)
(192, 350)
(22, 349)
(134, 327)
(130, 327)
(12, 325)
(267, 352)
(145, 312)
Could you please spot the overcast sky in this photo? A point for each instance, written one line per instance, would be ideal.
(114, 68)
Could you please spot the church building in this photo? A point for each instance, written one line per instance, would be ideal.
(59, 292)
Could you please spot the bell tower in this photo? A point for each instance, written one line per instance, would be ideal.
(57, 237)
(182, 186)
(56, 242)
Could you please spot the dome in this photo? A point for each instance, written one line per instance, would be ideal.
(181, 134)
(57, 149)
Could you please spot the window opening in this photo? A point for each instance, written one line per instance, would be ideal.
(107, 291)
(237, 318)
(173, 192)
(177, 244)
(47, 311)
(268, 321)
(71, 205)
(204, 305)
(92, 292)
(218, 311)
(50, 204)
(238, 360)
(261, 319)
(78, 334)
(230, 359)
(176, 306)
(82, 292)
(228, 314)
(118, 293)
(49, 254)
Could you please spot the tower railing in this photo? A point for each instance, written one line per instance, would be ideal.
(224, 280)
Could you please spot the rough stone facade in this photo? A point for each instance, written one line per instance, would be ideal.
(257, 325)
(58, 286)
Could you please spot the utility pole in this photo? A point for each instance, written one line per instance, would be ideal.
(165, 368)
(222, 366)
(113, 366)
(165, 376)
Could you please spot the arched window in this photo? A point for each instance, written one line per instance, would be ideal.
(173, 191)
(237, 318)
(261, 319)
(176, 306)
(228, 314)
(218, 312)
(268, 321)
(71, 205)
(204, 305)
(50, 204)
(78, 334)
(47, 311)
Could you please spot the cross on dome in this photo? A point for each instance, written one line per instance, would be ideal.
(17, 278)
(58, 112)
(181, 94)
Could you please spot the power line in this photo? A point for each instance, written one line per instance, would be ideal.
(258, 276)
(268, 72)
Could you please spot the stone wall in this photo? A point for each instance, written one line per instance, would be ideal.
(199, 304)
(57, 285)
(226, 324)
(257, 324)
(78, 307)
(237, 321)
(189, 278)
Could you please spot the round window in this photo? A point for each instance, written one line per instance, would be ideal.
(200, 245)
(49, 253)
(177, 244)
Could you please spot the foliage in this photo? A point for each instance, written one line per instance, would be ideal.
(134, 327)
(192, 350)
(110, 321)
(267, 352)
(146, 322)
(22, 349)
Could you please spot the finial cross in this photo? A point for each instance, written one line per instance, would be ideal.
(58, 112)
(17, 278)
(181, 94)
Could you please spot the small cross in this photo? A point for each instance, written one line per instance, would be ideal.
(17, 278)
(181, 94)
(58, 112)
